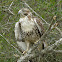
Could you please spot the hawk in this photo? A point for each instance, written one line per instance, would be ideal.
(28, 29)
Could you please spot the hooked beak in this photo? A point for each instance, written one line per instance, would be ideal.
(19, 12)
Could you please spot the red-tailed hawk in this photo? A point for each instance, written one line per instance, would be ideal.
(28, 29)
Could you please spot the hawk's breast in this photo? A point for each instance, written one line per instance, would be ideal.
(27, 26)
(30, 31)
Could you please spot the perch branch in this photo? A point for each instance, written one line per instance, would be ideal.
(46, 50)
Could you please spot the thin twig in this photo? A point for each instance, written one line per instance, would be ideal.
(9, 9)
(57, 51)
(11, 12)
(10, 5)
(10, 43)
(39, 42)
(46, 50)
(59, 31)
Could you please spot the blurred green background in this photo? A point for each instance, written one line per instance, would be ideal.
(45, 8)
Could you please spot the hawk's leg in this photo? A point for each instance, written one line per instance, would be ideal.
(36, 42)
(27, 48)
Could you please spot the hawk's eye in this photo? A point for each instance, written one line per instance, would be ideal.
(25, 14)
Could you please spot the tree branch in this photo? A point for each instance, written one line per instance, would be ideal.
(8, 10)
(10, 5)
(46, 50)
(59, 31)
(57, 51)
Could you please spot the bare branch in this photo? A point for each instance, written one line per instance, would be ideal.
(57, 51)
(8, 10)
(10, 5)
(57, 43)
(46, 50)
(11, 12)
(25, 57)
(59, 31)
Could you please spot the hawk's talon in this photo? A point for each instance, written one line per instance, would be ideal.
(36, 42)
(24, 52)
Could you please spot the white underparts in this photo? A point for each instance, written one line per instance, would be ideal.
(22, 45)
(27, 25)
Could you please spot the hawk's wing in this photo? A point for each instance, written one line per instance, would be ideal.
(20, 42)
(39, 25)
(17, 31)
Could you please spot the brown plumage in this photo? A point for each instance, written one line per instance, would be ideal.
(28, 29)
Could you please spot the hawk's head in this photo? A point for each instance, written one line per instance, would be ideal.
(25, 12)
